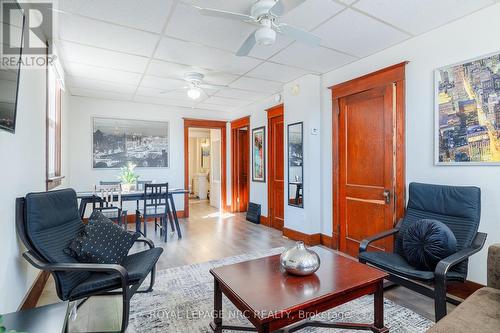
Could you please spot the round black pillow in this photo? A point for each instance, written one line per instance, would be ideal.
(426, 242)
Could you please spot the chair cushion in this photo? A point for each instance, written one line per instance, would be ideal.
(426, 242)
(396, 264)
(52, 220)
(459, 207)
(138, 266)
(102, 241)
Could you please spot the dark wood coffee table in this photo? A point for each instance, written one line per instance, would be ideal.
(273, 300)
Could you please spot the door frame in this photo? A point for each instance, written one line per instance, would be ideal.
(210, 124)
(275, 111)
(235, 126)
(390, 75)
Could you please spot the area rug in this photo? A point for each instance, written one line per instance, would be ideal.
(182, 301)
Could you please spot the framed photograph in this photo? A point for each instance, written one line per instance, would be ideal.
(259, 154)
(116, 142)
(467, 109)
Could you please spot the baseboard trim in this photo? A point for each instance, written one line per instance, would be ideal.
(309, 239)
(264, 220)
(462, 290)
(33, 295)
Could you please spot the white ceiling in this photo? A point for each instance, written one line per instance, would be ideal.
(139, 50)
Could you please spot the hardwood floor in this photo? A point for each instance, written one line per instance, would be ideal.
(206, 236)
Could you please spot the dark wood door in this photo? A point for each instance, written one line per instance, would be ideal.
(276, 203)
(243, 168)
(366, 167)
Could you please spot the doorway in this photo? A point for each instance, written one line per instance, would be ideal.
(276, 186)
(205, 165)
(368, 158)
(240, 166)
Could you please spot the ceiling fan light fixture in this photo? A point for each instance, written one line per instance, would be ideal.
(265, 36)
(194, 93)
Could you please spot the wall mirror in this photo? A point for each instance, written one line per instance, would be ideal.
(296, 165)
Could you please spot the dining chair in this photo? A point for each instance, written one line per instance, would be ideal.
(107, 198)
(156, 205)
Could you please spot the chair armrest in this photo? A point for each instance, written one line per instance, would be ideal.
(363, 246)
(82, 267)
(147, 241)
(444, 265)
(494, 266)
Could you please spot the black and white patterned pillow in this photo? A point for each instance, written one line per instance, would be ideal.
(101, 241)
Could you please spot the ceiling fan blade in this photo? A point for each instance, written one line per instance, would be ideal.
(225, 14)
(212, 86)
(284, 6)
(299, 35)
(247, 46)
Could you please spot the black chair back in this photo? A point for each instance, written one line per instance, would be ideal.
(46, 222)
(155, 200)
(139, 185)
(459, 207)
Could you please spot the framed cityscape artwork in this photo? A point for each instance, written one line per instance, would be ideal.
(116, 142)
(467, 98)
(259, 154)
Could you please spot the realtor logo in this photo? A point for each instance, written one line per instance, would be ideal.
(36, 18)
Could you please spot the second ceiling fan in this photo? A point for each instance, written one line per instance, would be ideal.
(265, 14)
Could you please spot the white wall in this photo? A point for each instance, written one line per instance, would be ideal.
(304, 106)
(23, 171)
(461, 40)
(80, 127)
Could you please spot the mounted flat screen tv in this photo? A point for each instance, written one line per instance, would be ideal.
(11, 37)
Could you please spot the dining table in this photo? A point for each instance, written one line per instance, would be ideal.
(88, 197)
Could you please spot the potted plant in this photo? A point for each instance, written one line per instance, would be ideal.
(128, 177)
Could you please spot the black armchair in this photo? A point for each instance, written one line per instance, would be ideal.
(457, 207)
(46, 222)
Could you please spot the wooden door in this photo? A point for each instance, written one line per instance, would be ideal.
(366, 167)
(243, 166)
(276, 199)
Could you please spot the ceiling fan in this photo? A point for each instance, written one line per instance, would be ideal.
(265, 14)
(195, 86)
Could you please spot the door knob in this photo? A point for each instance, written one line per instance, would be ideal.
(387, 196)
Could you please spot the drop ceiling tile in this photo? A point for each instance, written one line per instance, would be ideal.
(347, 2)
(418, 16)
(363, 36)
(237, 6)
(105, 35)
(149, 16)
(215, 100)
(188, 24)
(73, 52)
(165, 101)
(248, 83)
(172, 70)
(196, 55)
(83, 83)
(100, 94)
(277, 72)
(220, 108)
(102, 73)
(162, 83)
(318, 59)
(311, 13)
(241, 94)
